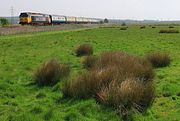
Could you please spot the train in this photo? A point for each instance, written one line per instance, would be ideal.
(30, 18)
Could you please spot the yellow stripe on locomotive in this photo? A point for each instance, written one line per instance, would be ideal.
(25, 20)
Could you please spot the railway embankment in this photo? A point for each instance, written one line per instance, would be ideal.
(18, 29)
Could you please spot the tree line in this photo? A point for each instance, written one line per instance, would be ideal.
(3, 22)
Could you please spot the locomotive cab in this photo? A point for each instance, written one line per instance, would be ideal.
(24, 18)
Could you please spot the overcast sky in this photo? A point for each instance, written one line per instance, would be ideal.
(119, 9)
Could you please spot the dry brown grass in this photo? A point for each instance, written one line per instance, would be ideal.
(64, 70)
(170, 31)
(83, 86)
(117, 80)
(50, 72)
(158, 59)
(89, 61)
(126, 65)
(171, 27)
(84, 49)
(142, 27)
(131, 93)
(123, 28)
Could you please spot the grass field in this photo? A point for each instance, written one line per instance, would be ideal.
(20, 55)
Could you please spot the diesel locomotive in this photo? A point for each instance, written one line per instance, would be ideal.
(29, 18)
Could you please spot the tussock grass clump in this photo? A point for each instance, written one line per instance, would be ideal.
(123, 28)
(89, 61)
(83, 86)
(126, 65)
(117, 80)
(158, 59)
(131, 93)
(84, 49)
(142, 27)
(171, 27)
(169, 31)
(88, 83)
(50, 72)
(64, 70)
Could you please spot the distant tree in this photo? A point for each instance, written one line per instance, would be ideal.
(123, 24)
(4, 22)
(106, 20)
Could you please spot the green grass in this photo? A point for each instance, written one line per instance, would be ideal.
(20, 55)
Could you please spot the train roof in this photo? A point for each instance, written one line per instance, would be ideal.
(57, 15)
(34, 13)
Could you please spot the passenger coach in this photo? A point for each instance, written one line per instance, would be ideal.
(57, 19)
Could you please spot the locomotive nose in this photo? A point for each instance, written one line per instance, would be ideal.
(24, 19)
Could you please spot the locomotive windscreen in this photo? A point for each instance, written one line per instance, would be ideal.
(23, 15)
